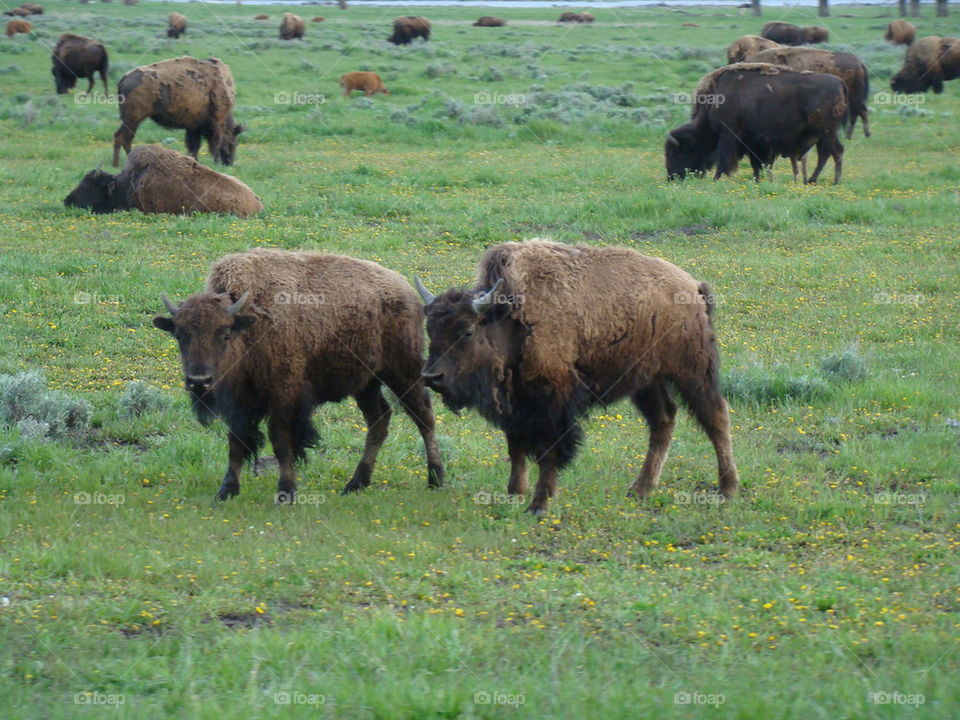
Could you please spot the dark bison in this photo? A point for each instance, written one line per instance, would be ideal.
(277, 333)
(930, 61)
(78, 57)
(176, 25)
(158, 180)
(572, 17)
(196, 95)
(407, 29)
(748, 45)
(761, 110)
(292, 27)
(18, 26)
(489, 21)
(551, 330)
(900, 32)
(788, 34)
(846, 66)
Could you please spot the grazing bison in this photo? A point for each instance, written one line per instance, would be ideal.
(900, 32)
(18, 12)
(846, 66)
(407, 29)
(78, 57)
(369, 82)
(261, 17)
(196, 95)
(292, 27)
(489, 21)
(318, 18)
(18, 26)
(748, 45)
(572, 17)
(930, 61)
(176, 25)
(276, 333)
(32, 8)
(761, 110)
(788, 34)
(158, 180)
(551, 330)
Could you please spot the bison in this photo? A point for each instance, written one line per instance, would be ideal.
(261, 17)
(748, 45)
(195, 95)
(292, 27)
(761, 110)
(18, 12)
(318, 18)
(18, 26)
(930, 61)
(551, 330)
(900, 32)
(277, 333)
(369, 82)
(78, 57)
(176, 25)
(572, 17)
(407, 29)
(489, 21)
(158, 180)
(846, 66)
(789, 34)
(32, 8)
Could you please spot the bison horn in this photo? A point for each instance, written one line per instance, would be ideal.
(232, 310)
(428, 297)
(672, 140)
(169, 304)
(483, 302)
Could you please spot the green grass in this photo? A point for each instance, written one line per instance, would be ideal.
(832, 576)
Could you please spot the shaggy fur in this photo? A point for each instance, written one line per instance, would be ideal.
(748, 45)
(929, 63)
(196, 95)
(369, 82)
(789, 34)
(407, 29)
(314, 328)
(570, 327)
(489, 21)
(572, 17)
(900, 32)
(292, 27)
(158, 180)
(176, 25)
(78, 57)
(18, 26)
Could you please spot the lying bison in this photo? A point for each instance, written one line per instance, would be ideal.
(551, 330)
(900, 32)
(489, 21)
(929, 63)
(292, 27)
(78, 57)
(789, 34)
(15, 27)
(748, 45)
(846, 66)
(277, 333)
(407, 29)
(369, 82)
(18, 12)
(195, 95)
(158, 180)
(761, 110)
(572, 17)
(176, 25)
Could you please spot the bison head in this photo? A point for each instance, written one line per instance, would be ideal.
(227, 149)
(64, 79)
(815, 34)
(916, 78)
(98, 191)
(205, 326)
(685, 151)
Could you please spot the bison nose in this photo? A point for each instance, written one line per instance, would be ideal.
(199, 383)
(432, 378)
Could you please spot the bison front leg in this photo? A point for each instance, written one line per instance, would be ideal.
(238, 454)
(416, 402)
(377, 414)
(660, 412)
(546, 483)
(281, 438)
(123, 137)
(193, 140)
(517, 484)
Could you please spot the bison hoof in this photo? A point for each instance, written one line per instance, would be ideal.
(435, 476)
(352, 487)
(537, 510)
(226, 492)
(285, 497)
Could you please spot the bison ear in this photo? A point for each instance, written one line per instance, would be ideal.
(162, 322)
(242, 322)
(238, 129)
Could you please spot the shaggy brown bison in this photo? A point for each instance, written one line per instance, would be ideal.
(407, 29)
(846, 66)
(15, 27)
(550, 330)
(489, 21)
(929, 63)
(789, 34)
(369, 82)
(32, 8)
(748, 45)
(195, 95)
(261, 17)
(78, 57)
(158, 180)
(176, 25)
(292, 27)
(761, 110)
(277, 333)
(900, 32)
(18, 12)
(572, 17)
(318, 18)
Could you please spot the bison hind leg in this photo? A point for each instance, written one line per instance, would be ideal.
(376, 412)
(417, 404)
(660, 412)
(710, 409)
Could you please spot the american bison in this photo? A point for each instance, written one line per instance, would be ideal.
(15, 27)
(489, 21)
(930, 61)
(369, 82)
(789, 34)
(748, 45)
(18, 12)
(32, 8)
(277, 333)
(900, 32)
(761, 110)
(846, 66)
(176, 25)
(572, 17)
(78, 57)
(195, 95)
(292, 27)
(158, 180)
(407, 29)
(318, 18)
(261, 17)
(550, 330)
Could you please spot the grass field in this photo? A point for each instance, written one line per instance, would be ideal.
(827, 589)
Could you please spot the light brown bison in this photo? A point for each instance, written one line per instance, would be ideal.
(407, 29)
(277, 333)
(369, 82)
(158, 180)
(489, 21)
(261, 17)
(747, 45)
(32, 8)
(550, 330)
(572, 17)
(318, 18)
(195, 95)
(78, 57)
(846, 66)
(176, 25)
(292, 27)
(18, 26)
(929, 63)
(789, 34)
(900, 32)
